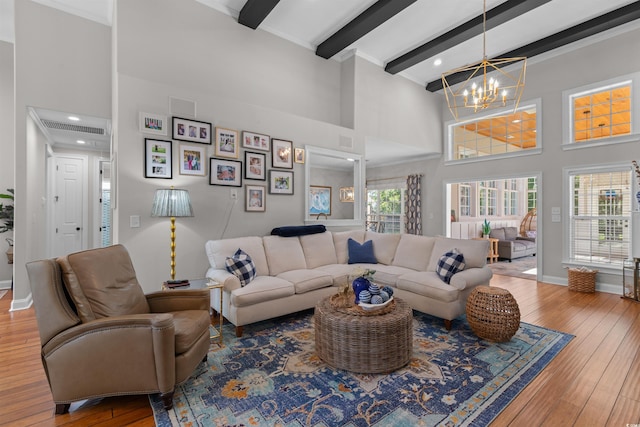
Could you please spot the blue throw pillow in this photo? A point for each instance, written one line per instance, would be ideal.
(361, 253)
(242, 266)
(449, 264)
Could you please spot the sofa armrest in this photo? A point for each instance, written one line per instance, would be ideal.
(530, 239)
(471, 278)
(178, 300)
(229, 281)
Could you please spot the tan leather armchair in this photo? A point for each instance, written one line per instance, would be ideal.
(101, 336)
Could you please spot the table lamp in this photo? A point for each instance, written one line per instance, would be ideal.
(172, 203)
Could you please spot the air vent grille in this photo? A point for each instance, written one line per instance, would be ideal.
(72, 128)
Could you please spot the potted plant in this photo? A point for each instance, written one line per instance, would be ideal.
(486, 228)
(6, 215)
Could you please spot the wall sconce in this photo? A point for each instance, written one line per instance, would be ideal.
(346, 194)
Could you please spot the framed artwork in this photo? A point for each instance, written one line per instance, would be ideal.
(255, 198)
(225, 172)
(255, 141)
(255, 166)
(280, 182)
(153, 123)
(281, 153)
(346, 194)
(227, 143)
(157, 158)
(319, 200)
(192, 160)
(191, 130)
(298, 155)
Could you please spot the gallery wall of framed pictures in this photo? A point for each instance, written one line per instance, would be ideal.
(235, 155)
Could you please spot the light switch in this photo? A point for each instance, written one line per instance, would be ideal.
(134, 221)
(555, 218)
(555, 210)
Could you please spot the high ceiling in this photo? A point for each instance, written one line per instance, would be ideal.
(407, 36)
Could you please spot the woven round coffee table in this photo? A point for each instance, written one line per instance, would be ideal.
(493, 313)
(364, 342)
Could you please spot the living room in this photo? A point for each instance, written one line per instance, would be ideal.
(252, 80)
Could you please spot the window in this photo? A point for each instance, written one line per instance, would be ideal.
(464, 197)
(532, 194)
(510, 197)
(501, 134)
(385, 210)
(601, 113)
(599, 216)
(488, 198)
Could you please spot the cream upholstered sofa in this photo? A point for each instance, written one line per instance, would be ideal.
(294, 273)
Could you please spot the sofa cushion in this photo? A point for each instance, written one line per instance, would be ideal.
(414, 252)
(339, 272)
(387, 274)
(510, 233)
(474, 251)
(340, 243)
(263, 288)
(188, 326)
(449, 264)
(283, 254)
(497, 233)
(103, 283)
(219, 250)
(361, 253)
(384, 245)
(241, 265)
(307, 280)
(318, 249)
(428, 284)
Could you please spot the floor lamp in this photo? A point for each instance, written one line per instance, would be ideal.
(172, 203)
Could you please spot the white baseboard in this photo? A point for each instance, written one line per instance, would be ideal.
(21, 304)
(5, 284)
(600, 287)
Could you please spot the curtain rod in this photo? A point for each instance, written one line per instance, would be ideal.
(394, 178)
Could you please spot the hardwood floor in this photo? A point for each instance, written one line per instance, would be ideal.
(594, 381)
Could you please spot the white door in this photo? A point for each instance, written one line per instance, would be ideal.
(68, 205)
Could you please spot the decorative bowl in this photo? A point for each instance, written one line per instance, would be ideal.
(371, 307)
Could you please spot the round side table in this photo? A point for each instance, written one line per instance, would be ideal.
(493, 313)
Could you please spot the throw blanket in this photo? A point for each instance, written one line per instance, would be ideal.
(298, 230)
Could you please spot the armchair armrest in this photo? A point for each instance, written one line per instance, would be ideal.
(178, 300)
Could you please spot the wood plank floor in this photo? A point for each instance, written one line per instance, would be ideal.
(594, 381)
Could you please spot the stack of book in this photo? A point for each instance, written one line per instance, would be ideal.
(176, 283)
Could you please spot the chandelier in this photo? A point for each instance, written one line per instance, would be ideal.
(471, 88)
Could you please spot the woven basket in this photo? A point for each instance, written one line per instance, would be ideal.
(582, 281)
(493, 313)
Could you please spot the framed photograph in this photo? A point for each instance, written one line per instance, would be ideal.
(192, 160)
(157, 159)
(281, 153)
(225, 172)
(298, 155)
(319, 200)
(153, 123)
(227, 143)
(255, 141)
(255, 166)
(191, 130)
(280, 182)
(255, 198)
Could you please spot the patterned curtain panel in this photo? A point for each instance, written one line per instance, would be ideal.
(413, 212)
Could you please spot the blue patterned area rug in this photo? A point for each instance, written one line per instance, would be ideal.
(272, 377)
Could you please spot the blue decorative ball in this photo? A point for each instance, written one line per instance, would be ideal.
(365, 296)
(388, 290)
(376, 299)
(384, 296)
(374, 289)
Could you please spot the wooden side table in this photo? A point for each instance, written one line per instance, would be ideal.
(493, 248)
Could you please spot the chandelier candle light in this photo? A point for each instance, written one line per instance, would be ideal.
(475, 90)
(172, 203)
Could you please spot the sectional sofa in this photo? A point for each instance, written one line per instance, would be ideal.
(294, 273)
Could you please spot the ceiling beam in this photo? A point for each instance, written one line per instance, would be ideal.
(495, 17)
(375, 15)
(605, 22)
(255, 11)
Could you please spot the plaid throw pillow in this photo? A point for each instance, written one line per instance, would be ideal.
(449, 264)
(241, 265)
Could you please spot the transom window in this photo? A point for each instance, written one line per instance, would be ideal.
(602, 113)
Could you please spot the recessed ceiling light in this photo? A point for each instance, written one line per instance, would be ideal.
(81, 141)
(516, 121)
(73, 118)
(510, 136)
(437, 62)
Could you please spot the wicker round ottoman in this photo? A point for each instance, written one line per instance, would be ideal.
(493, 313)
(364, 343)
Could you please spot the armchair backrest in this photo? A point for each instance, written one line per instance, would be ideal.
(54, 313)
(102, 283)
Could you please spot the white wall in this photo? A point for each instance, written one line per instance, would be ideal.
(6, 146)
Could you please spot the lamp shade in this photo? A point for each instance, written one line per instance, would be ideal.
(171, 202)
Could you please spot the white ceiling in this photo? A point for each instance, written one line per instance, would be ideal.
(309, 22)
